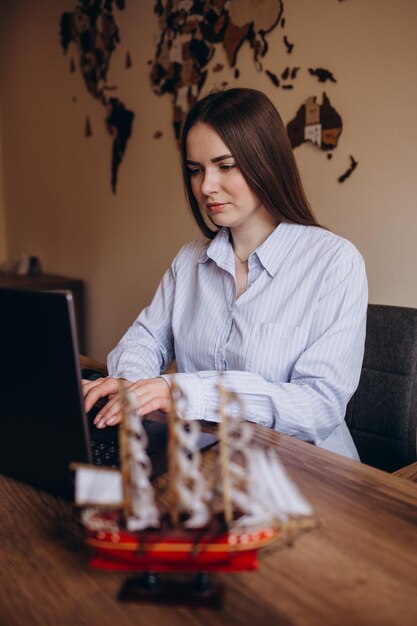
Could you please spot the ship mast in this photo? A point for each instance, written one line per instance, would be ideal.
(124, 455)
(139, 506)
(173, 470)
(188, 489)
(225, 457)
(239, 505)
(256, 489)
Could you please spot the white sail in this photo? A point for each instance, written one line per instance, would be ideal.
(235, 439)
(98, 487)
(270, 484)
(143, 512)
(190, 485)
(259, 488)
(255, 511)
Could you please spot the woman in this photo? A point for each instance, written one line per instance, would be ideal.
(268, 297)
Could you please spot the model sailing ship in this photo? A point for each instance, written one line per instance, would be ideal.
(199, 526)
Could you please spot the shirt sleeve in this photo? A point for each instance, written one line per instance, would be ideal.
(146, 349)
(312, 404)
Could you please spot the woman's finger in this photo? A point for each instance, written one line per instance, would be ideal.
(155, 404)
(111, 409)
(103, 387)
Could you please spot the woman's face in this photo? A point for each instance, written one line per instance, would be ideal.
(217, 183)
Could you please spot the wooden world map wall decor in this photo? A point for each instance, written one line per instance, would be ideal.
(189, 33)
(92, 28)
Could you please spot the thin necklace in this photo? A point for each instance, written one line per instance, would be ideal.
(240, 259)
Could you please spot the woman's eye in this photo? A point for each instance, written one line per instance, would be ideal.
(226, 167)
(192, 171)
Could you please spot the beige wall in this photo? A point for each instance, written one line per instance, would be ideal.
(57, 194)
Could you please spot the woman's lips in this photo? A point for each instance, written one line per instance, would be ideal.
(216, 207)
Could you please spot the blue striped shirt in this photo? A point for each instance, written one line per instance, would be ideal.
(291, 345)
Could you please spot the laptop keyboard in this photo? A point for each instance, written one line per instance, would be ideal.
(104, 443)
(105, 452)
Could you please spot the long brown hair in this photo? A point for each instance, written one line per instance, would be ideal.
(251, 127)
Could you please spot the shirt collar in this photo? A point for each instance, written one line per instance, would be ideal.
(275, 248)
(221, 251)
(270, 253)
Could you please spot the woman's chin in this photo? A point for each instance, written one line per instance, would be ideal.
(217, 221)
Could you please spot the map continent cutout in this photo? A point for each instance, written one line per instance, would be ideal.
(318, 123)
(92, 28)
(190, 31)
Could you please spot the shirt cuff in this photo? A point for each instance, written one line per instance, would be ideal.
(193, 389)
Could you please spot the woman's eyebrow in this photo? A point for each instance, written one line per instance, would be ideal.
(215, 160)
(220, 158)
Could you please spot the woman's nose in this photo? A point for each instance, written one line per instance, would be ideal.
(210, 182)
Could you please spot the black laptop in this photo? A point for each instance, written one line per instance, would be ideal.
(44, 427)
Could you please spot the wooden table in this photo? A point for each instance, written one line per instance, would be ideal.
(409, 472)
(358, 568)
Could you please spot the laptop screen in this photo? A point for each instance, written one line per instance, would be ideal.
(44, 427)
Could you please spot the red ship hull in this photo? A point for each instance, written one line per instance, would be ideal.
(182, 551)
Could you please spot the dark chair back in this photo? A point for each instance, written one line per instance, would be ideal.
(382, 414)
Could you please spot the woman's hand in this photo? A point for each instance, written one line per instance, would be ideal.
(152, 395)
(93, 390)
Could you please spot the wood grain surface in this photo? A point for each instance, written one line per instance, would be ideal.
(88, 363)
(358, 568)
(409, 472)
